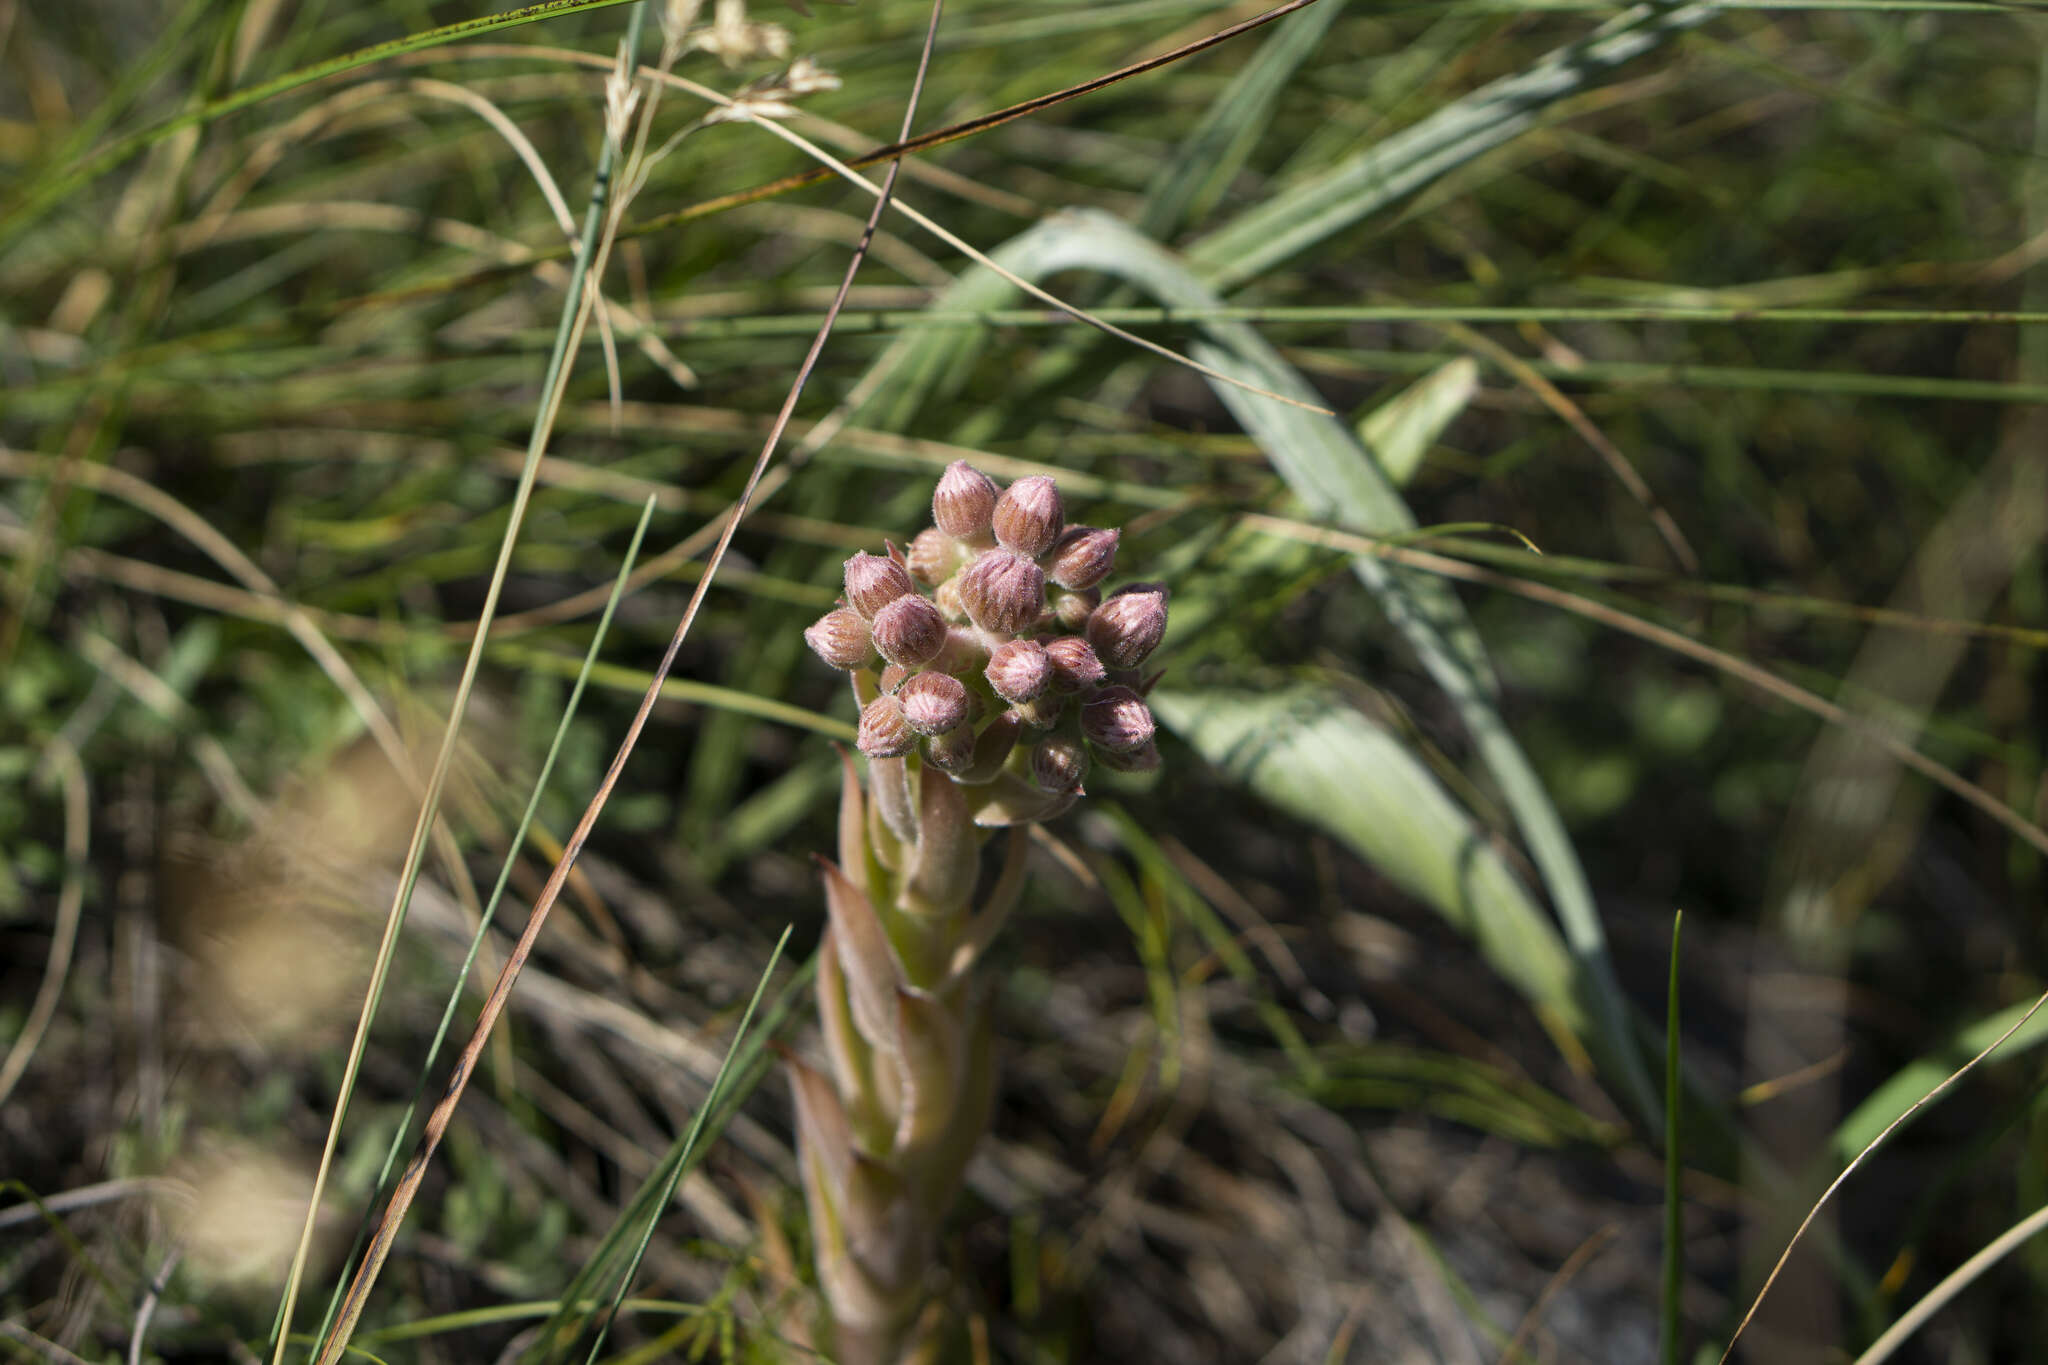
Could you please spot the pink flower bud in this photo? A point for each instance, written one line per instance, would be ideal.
(946, 597)
(909, 631)
(892, 677)
(952, 752)
(1028, 516)
(1074, 608)
(840, 638)
(933, 557)
(884, 733)
(1129, 625)
(1003, 592)
(1142, 759)
(1042, 712)
(964, 503)
(934, 703)
(1082, 557)
(1019, 670)
(1117, 719)
(1058, 764)
(873, 582)
(1074, 665)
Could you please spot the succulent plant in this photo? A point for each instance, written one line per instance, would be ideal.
(995, 703)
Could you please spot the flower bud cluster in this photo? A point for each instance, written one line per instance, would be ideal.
(1014, 639)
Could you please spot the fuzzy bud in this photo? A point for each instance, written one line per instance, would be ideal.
(952, 752)
(1142, 759)
(1072, 609)
(1058, 764)
(873, 582)
(1074, 665)
(934, 703)
(964, 504)
(1083, 557)
(840, 638)
(1129, 625)
(1003, 592)
(1117, 719)
(909, 631)
(1028, 516)
(884, 733)
(1042, 712)
(933, 556)
(1019, 670)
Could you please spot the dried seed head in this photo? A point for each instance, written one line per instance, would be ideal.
(1117, 719)
(1003, 592)
(1028, 516)
(1058, 764)
(1083, 557)
(1019, 670)
(1074, 665)
(952, 752)
(1129, 625)
(840, 638)
(909, 631)
(884, 733)
(873, 582)
(934, 556)
(1072, 609)
(964, 504)
(1142, 759)
(934, 703)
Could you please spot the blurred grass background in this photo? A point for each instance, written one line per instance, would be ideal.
(1267, 1095)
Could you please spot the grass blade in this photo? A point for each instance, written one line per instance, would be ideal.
(1674, 1192)
(1290, 223)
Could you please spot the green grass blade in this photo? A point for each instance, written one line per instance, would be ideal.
(1400, 431)
(484, 922)
(1202, 167)
(1914, 1081)
(1290, 223)
(53, 189)
(1308, 753)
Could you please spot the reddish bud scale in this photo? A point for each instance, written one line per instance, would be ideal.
(964, 504)
(1019, 670)
(933, 556)
(1082, 557)
(1002, 592)
(1074, 665)
(1129, 625)
(1028, 516)
(934, 703)
(1058, 764)
(909, 631)
(873, 582)
(1072, 609)
(840, 638)
(1118, 720)
(884, 733)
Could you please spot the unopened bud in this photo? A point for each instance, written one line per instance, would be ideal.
(884, 733)
(1074, 608)
(1129, 625)
(934, 703)
(1058, 764)
(1003, 592)
(1117, 719)
(1142, 759)
(892, 677)
(964, 504)
(1042, 712)
(1074, 665)
(873, 582)
(952, 752)
(909, 631)
(1082, 557)
(1019, 670)
(1028, 516)
(840, 638)
(933, 557)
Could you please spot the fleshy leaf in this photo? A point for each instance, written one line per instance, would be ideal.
(872, 972)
